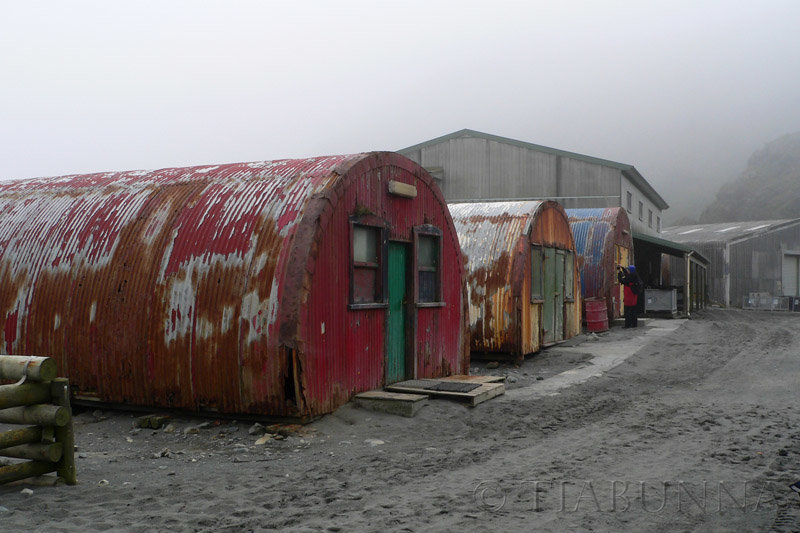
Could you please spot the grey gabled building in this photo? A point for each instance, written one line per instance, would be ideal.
(470, 165)
(760, 257)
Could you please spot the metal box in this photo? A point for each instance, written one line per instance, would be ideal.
(661, 301)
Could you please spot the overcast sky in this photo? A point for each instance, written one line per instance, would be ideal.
(683, 90)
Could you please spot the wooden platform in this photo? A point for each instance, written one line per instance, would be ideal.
(474, 389)
(391, 402)
(475, 379)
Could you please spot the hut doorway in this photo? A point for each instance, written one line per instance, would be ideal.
(396, 315)
(553, 309)
(621, 257)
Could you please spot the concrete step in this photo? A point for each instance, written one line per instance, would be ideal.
(395, 403)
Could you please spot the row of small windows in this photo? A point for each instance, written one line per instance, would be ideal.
(368, 267)
(629, 207)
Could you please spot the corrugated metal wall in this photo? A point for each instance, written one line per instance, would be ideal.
(756, 263)
(189, 288)
(597, 232)
(476, 168)
(496, 239)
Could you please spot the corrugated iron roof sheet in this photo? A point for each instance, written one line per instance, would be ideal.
(723, 232)
(156, 287)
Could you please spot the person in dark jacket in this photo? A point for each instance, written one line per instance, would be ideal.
(629, 278)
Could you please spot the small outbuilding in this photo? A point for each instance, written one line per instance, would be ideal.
(276, 288)
(603, 240)
(522, 277)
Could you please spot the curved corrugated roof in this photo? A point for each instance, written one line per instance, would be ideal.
(487, 229)
(171, 262)
(596, 231)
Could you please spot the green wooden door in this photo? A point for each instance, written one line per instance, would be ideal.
(548, 308)
(558, 297)
(396, 315)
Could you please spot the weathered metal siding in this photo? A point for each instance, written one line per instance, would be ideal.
(179, 288)
(756, 263)
(744, 257)
(596, 233)
(581, 179)
(439, 342)
(481, 168)
(496, 239)
(492, 238)
(154, 288)
(551, 229)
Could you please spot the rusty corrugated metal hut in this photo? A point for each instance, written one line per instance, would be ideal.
(603, 239)
(522, 276)
(271, 288)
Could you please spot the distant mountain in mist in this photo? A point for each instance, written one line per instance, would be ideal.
(768, 189)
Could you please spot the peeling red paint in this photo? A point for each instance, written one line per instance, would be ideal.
(204, 287)
(11, 330)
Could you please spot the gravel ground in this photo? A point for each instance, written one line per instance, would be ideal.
(698, 430)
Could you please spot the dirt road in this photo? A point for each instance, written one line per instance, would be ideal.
(698, 430)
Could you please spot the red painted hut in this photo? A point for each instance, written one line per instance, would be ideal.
(273, 288)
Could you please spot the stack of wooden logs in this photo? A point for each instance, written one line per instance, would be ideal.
(40, 401)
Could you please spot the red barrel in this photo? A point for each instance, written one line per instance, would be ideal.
(596, 314)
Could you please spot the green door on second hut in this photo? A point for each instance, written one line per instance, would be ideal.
(396, 314)
(553, 307)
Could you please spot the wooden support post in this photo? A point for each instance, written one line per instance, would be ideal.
(43, 415)
(64, 434)
(15, 437)
(25, 470)
(37, 452)
(24, 394)
(33, 368)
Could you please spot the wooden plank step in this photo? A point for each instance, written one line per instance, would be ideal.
(475, 379)
(396, 403)
(480, 394)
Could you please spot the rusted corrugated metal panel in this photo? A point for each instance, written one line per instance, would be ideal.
(496, 239)
(193, 287)
(597, 232)
(490, 234)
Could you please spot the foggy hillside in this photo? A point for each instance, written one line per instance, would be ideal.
(769, 188)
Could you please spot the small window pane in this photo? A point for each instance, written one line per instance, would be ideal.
(428, 254)
(365, 244)
(536, 273)
(427, 286)
(364, 283)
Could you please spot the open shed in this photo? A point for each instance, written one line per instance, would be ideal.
(276, 288)
(522, 277)
(603, 240)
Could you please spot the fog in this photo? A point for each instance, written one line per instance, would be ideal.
(684, 91)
